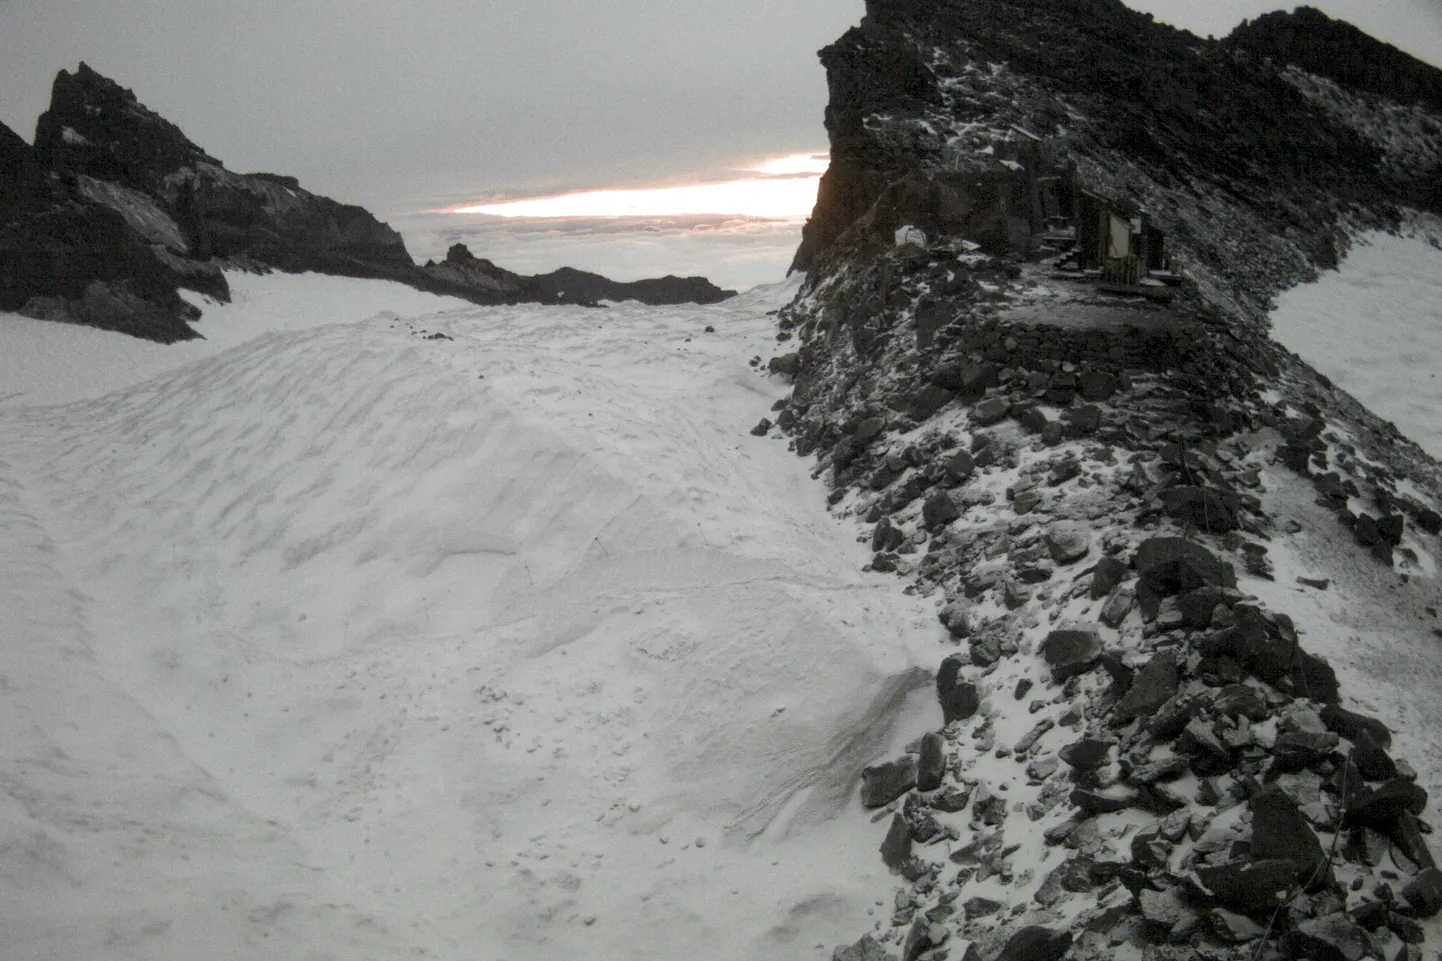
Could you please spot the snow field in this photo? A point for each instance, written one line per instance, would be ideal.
(346, 642)
(1375, 328)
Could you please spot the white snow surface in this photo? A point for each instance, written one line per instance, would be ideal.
(1375, 328)
(327, 640)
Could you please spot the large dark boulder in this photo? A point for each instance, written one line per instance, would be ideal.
(1071, 651)
(1205, 508)
(1036, 943)
(1249, 887)
(1335, 937)
(959, 697)
(1351, 725)
(883, 783)
(1279, 830)
(1175, 565)
(1154, 685)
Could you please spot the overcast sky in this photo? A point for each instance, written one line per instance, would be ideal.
(404, 103)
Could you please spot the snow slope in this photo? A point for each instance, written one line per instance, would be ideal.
(347, 642)
(47, 363)
(1375, 328)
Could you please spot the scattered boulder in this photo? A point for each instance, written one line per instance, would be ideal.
(939, 510)
(1241, 700)
(1071, 652)
(1174, 565)
(1251, 887)
(1097, 386)
(991, 411)
(1424, 893)
(867, 949)
(886, 536)
(896, 846)
(1097, 802)
(1350, 725)
(957, 619)
(1379, 807)
(1154, 685)
(1036, 943)
(959, 698)
(1116, 609)
(1108, 573)
(884, 783)
(1335, 937)
(1205, 508)
(931, 764)
(1067, 545)
(928, 400)
(1280, 831)
(1087, 754)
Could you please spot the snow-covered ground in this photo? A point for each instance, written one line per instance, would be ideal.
(324, 638)
(1375, 328)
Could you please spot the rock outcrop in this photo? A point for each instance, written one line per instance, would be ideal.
(464, 272)
(114, 210)
(1082, 469)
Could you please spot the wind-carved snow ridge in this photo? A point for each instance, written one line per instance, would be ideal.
(487, 633)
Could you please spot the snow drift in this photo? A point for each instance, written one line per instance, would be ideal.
(483, 633)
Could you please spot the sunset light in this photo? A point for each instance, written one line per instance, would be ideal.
(786, 191)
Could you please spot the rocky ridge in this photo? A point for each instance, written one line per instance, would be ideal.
(113, 211)
(1140, 755)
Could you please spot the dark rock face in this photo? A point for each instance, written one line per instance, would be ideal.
(463, 272)
(114, 210)
(948, 115)
(1151, 93)
(1309, 39)
(96, 127)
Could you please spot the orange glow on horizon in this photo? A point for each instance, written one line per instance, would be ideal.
(787, 191)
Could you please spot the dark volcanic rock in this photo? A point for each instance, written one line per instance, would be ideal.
(569, 284)
(1280, 831)
(1335, 937)
(1350, 725)
(1071, 651)
(931, 764)
(112, 136)
(114, 210)
(1154, 685)
(1036, 943)
(896, 846)
(1249, 887)
(884, 783)
(1086, 754)
(959, 698)
(1424, 893)
(1174, 565)
(1339, 51)
(1380, 806)
(1205, 508)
